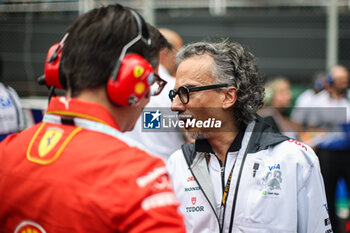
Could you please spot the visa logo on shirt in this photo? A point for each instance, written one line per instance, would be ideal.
(276, 166)
(5, 102)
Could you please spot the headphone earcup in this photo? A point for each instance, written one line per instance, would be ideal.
(132, 82)
(329, 79)
(53, 74)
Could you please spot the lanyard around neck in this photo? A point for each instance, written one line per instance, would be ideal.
(94, 126)
(226, 190)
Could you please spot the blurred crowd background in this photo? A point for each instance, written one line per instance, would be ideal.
(293, 38)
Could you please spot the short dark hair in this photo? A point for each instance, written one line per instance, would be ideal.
(94, 44)
(234, 65)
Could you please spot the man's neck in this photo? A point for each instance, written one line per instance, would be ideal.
(220, 143)
(337, 94)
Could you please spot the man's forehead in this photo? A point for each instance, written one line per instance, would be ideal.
(341, 74)
(339, 70)
(196, 69)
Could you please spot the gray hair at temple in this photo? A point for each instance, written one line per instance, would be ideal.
(237, 67)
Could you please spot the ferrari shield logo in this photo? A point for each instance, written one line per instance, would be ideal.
(51, 137)
(29, 227)
(193, 199)
(49, 142)
(138, 71)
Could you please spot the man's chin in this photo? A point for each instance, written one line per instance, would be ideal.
(197, 134)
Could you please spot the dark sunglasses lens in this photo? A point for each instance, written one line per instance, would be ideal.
(158, 85)
(157, 88)
(183, 94)
(172, 94)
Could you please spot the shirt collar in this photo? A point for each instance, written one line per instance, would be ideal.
(72, 107)
(164, 74)
(202, 145)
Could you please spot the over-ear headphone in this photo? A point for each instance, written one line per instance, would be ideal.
(132, 75)
(130, 80)
(329, 79)
(53, 76)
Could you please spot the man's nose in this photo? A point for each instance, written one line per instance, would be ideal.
(177, 105)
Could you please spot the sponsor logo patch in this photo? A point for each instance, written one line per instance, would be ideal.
(51, 137)
(272, 181)
(159, 200)
(190, 189)
(326, 207)
(162, 183)
(29, 227)
(193, 200)
(298, 143)
(151, 176)
(48, 143)
(138, 71)
(194, 209)
(190, 178)
(5, 102)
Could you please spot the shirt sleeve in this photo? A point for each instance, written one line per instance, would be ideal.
(312, 204)
(18, 106)
(154, 207)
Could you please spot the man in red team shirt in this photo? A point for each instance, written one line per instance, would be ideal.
(75, 171)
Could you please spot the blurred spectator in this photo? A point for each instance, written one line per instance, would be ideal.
(11, 115)
(333, 149)
(305, 100)
(162, 144)
(277, 104)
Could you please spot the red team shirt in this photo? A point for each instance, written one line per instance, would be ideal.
(75, 172)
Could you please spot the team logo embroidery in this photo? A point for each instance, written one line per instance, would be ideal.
(139, 88)
(194, 200)
(272, 181)
(29, 227)
(152, 119)
(138, 71)
(51, 137)
(48, 143)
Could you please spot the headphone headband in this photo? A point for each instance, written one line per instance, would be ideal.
(142, 34)
(142, 27)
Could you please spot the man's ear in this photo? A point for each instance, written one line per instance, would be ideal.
(230, 98)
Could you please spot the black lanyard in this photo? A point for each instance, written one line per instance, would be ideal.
(226, 190)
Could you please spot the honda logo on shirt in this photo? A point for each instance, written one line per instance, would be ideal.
(193, 199)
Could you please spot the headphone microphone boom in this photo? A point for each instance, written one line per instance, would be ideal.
(53, 76)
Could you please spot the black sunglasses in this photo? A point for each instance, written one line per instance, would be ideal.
(184, 92)
(158, 85)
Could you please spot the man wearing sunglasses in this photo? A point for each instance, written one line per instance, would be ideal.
(240, 175)
(76, 171)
